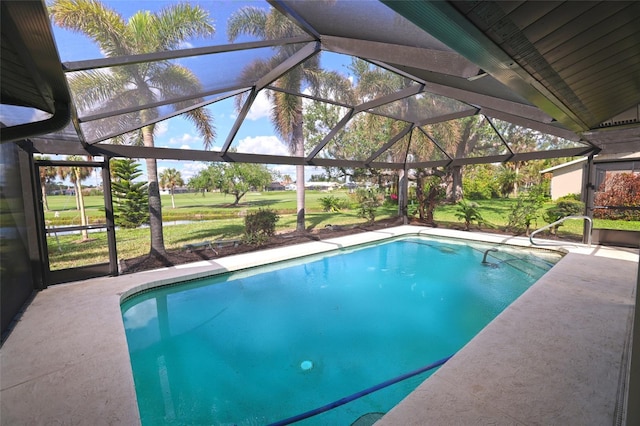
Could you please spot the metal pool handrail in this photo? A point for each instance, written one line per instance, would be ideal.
(360, 394)
(558, 222)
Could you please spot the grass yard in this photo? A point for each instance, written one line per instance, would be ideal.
(212, 217)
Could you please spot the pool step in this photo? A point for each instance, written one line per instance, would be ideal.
(367, 419)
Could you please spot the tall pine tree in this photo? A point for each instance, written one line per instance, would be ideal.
(130, 199)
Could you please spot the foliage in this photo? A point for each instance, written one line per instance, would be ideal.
(200, 182)
(286, 107)
(229, 224)
(368, 200)
(469, 212)
(76, 174)
(526, 209)
(138, 83)
(391, 199)
(506, 180)
(479, 182)
(259, 226)
(239, 178)
(620, 190)
(564, 206)
(130, 198)
(47, 176)
(332, 203)
(171, 178)
(430, 191)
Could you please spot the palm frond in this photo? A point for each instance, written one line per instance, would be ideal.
(143, 32)
(95, 88)
(203, 120)
(103, 25)
(285, 111)
(173, 81)
(248, 20)
(331, 85)
(279, 26)
(180, 22)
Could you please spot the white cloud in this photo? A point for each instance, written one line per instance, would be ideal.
(260, 108)
(185, 147)
(141, 314)
(162, 128)
(185, 139)
(267, 145)
(191, 168)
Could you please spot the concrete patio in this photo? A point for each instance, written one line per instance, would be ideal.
(558, 355)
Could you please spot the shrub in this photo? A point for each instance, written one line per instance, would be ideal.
(526, 209)
(620, 190)
(479, 183)
(259, 226)
(564, 206)
(391, 200)
(332, 203)
(469, 212)
(368, 201)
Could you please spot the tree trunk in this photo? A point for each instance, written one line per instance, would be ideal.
(45, 202)
(157, 249)
(432, 202)
(298, 140)
(173, 202)
(403, 186)
(80, 198)
(420, 194)
(454, 188)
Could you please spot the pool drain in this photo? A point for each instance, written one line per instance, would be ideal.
(306, 365)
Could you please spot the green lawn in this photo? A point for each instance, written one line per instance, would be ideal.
(62, 208)
(214, 218)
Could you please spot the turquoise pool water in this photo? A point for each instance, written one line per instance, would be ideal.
(258, 346)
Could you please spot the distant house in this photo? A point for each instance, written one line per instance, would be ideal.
(321, 186)
(275, 186)
(567, 178)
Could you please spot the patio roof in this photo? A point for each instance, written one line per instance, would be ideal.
(568, 71)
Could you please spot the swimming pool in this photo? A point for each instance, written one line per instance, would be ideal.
(260, 345)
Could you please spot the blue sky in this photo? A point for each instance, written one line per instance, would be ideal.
(256, 135)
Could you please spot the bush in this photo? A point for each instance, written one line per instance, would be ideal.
(391, 200)
(368, 201)
(526, 209)
(563, 207)
(333, 204)
(620, 190)
(479, 183)
(469, 212)
(259, 226)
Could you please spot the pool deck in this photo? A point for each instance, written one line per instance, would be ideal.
(557, 355)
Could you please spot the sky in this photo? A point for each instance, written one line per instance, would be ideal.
(256, 135)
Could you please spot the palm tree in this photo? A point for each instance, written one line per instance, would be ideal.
(76, 175)
(287, 109)
(140, 83)
(171, 178)
(47, 175)
(374, 82)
